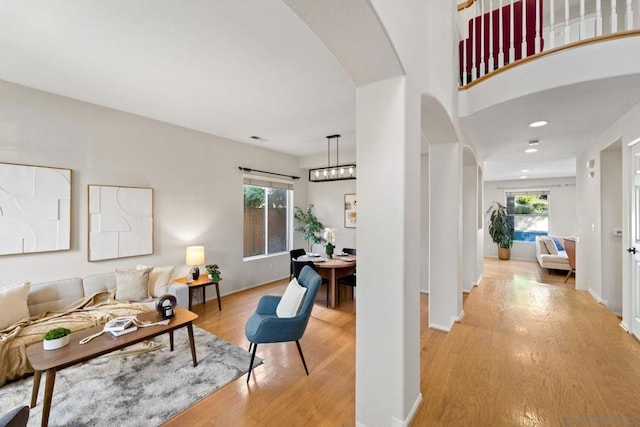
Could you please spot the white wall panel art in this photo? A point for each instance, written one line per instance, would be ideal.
(35, 209)
(120, 222)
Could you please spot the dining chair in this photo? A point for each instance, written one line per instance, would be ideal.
(264, 326)
(349, 280)
(570, 249)
(294, 254)
(299, 265)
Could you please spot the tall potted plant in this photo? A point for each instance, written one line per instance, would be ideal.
(309, 225)
(501, 229)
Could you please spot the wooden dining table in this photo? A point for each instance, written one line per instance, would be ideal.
(333, 269)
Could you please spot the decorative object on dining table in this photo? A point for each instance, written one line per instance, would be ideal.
(309, 225)
(213, 271)
(350, 211)
(329, 236)
(194, 257)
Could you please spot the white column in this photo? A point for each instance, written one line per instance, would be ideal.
(524, 30)
(628, 16)
(482, 25)
(470, 226)
(388, 302)
(445, 282)
(614, 17)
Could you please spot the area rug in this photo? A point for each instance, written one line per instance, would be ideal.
(143, 389)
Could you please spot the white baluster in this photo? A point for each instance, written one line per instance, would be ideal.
(567, 32)
(482, 63)
(537, 38)
(524, 29)
(629, 16)
(500, 38)
(598, 18)
(583, 25)
(465, 15)
(614, 17)
(512, 49)
(491, 63)
(552, 31)
(474, 56)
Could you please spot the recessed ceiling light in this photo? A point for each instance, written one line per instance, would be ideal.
(524, 170)
(523, 177)
(538, 124)
(530, 150)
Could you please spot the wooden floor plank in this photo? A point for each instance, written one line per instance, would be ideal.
(530, 351)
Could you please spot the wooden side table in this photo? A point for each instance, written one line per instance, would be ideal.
(202, 282)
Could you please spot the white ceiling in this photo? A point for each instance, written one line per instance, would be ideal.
(253, 67)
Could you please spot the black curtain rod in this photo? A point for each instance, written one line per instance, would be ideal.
(243, 169)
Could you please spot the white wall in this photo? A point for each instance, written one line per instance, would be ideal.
(562, 210)
(195, 177)
(328, 205)
(611, 214)
(589, 252)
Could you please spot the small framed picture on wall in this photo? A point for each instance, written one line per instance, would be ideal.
(350, 211)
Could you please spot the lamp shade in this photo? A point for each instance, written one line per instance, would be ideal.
(195, 255)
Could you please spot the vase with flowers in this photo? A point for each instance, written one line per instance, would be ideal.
(330, 237)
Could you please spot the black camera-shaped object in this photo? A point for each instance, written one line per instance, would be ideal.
(166, 306)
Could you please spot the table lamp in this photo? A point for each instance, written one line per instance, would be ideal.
(195, 257)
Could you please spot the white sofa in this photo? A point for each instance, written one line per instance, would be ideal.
(55, 295)
(548, 254)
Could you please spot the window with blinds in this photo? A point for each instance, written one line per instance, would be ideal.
(530, 212)
(267, 213)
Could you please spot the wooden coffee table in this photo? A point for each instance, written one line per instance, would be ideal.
(51, 361)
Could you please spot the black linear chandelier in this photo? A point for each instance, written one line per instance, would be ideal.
(333, 173)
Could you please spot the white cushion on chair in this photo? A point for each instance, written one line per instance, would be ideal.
(291, 301)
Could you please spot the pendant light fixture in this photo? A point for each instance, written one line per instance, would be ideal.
(333, 173)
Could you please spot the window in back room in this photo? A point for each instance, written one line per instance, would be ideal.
(530, 212)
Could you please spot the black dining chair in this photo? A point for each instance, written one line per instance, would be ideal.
(299, 265)
(349, 280)
(294, 254)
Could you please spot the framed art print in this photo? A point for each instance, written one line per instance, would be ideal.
(350, 211)
(120, 222)
(35, 209)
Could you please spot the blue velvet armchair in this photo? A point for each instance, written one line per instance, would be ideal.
(264, 326)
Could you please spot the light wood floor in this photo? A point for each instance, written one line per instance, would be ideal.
(525, 354)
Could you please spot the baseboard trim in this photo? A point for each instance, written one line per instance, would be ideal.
(412, 413)
(439, 327)
(595, 296)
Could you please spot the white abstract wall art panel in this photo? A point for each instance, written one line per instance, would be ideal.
(120, 222)
(35, 209)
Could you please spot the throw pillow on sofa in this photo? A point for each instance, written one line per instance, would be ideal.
(550, 245)
(159, 279)
(132, 285)
(13, 300)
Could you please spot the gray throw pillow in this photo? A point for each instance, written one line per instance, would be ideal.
(132, 285)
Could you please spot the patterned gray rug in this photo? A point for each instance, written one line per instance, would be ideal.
(142, 389)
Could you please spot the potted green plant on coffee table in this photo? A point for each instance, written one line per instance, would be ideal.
(56, 338)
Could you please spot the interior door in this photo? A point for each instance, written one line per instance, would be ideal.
(634, 248)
